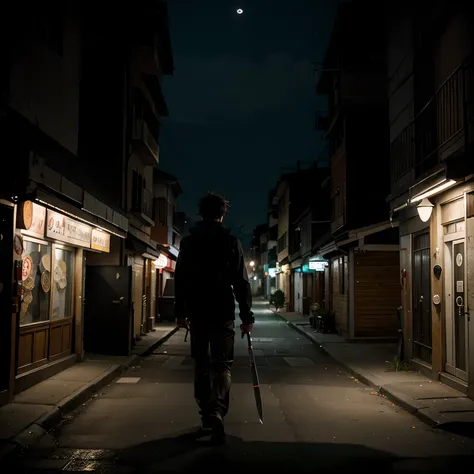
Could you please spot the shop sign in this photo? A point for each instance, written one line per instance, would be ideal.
(317, 266)
(100, 240)
(31, 219)
(65, 229)
(161, 261)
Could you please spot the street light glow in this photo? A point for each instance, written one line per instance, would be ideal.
(239, 11)
(252, 263)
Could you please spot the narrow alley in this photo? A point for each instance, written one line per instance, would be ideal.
(316, 416)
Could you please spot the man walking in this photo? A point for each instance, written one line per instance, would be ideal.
(210, 274)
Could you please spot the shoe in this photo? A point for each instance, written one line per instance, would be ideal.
(206, 424)
(217, 425)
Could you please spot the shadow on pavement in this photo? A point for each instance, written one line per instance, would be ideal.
(190, 451)
(461, 428)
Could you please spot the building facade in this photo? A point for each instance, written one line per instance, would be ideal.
(362, 273)
(58, 211)
(167, 233)
(67, 211)
(431, 88)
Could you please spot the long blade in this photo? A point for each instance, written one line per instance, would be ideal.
(256, 383)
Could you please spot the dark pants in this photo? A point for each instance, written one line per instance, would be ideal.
(212, 377)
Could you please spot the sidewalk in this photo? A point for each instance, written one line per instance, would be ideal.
(36, 410)
(373, 364)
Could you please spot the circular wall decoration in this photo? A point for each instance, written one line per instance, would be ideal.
(46, 281)
(27, 266)
(459, 259)
(29, 283)
(46, 263)
(27, 297)
(25, 216)
(436, 299)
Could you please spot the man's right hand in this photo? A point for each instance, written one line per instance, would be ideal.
(246, 328)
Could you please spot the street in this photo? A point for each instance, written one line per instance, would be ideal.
(317, 418)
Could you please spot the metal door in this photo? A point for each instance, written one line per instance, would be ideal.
(422, 337)
(108, 315)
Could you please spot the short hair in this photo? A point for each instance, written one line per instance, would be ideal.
(213, 206)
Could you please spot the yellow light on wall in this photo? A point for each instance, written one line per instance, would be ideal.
(425, 208)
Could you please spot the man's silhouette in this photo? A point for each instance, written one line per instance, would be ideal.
(210, 274)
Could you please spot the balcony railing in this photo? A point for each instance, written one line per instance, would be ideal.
(440, 129)
(146, 144)
(143, 206)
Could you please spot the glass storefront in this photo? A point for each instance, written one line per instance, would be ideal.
(36, 276)
(63, 284)
(49, 274)
(46, 312)
(46, 296)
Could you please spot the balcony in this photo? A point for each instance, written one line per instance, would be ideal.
(143, 206)
(442, 129)
(145, 143)
(179, 221)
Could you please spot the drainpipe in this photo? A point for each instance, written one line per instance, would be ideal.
(397, 209)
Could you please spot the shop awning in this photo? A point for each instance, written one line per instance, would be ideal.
(140, 247)
(356, 234)
(166, 251)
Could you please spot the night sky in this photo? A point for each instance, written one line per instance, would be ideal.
(242, 98)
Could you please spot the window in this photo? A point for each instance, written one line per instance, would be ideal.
(162, 208)
(138, 183)
(62, 284)
(342, 286)
(282, 242)
(36, 276)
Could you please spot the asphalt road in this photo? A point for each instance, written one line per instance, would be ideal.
(317, 417)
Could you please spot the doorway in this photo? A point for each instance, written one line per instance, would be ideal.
(108, 321)
(298, 292)
(422, 337)
(456, 318)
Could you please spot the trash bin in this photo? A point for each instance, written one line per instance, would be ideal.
(166, 302)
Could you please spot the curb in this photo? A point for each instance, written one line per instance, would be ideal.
(434, 420)
(35, 431)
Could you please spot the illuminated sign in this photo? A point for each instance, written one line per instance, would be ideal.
(100, 240)
(317, 266)
(67, 230)
(161, 261)
(272, 272)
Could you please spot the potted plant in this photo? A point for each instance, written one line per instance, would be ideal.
(278, 299)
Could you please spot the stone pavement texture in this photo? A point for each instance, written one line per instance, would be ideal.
(317, 418)
(434, 402)
(39, 408)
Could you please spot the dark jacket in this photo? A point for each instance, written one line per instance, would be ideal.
(210, 272)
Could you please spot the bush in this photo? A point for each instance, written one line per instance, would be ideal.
(278, 299)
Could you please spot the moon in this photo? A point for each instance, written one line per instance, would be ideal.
(239, 11)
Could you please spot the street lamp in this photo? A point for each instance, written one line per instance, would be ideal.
(252, 263)
(425, 208)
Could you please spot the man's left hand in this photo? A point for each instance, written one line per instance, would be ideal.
(182, 322)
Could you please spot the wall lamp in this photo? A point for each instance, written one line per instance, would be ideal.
(425, 208)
